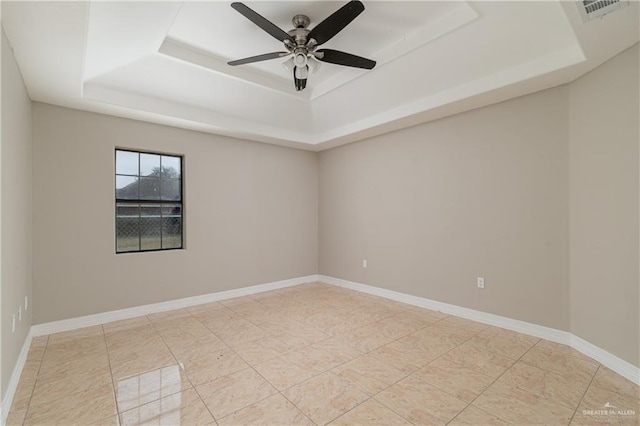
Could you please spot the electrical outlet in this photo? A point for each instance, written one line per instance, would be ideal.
(480, 282)
(20, 313)
(364, 263)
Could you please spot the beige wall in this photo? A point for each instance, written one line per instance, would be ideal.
(251, 215)
(539, 195)
(516, 192)
(16, 210)
(432, 207)
(604, 176)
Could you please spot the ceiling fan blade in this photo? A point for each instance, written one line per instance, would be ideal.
(262, 22)
(331, 26)
(342, 58)
(259, 58)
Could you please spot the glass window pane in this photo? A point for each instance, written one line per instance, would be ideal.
(171, 189)
(148, 201)
(126, 187)
(127, 227)
(150, 165)
(171, 167)
(149, 188)
(126, 163)
(150, 227)
(172, 210)
(171, 226)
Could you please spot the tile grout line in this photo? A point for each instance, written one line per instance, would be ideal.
(430, 361)
(192, 315)
(249, 366)
(310, 378)
(585, 393)
(308, 303)
(33, 388)
(491, 384)
(113, 379)
(298, 408)
(153, 369)
(415, 371)
(509, 368)
(371, 397)
(557, 373)
(241, 314)
(179, 364)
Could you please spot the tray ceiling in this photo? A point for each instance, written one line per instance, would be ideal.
(165, 62)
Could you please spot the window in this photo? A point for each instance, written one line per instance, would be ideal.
(149, 207)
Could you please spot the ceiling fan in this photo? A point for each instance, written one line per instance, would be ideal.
(301, 43)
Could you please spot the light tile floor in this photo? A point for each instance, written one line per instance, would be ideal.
(313, 354)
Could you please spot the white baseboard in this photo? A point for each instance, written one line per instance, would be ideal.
(122, 314)
(620, 366)
(15, 378)
(105, 317)
(611, 361)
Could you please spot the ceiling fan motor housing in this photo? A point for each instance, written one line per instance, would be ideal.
(299, 35)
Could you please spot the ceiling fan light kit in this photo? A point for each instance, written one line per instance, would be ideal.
(302, 43)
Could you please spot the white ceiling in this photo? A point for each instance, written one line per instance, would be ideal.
(165, 62)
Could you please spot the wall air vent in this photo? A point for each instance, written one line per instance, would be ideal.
(592, 9)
